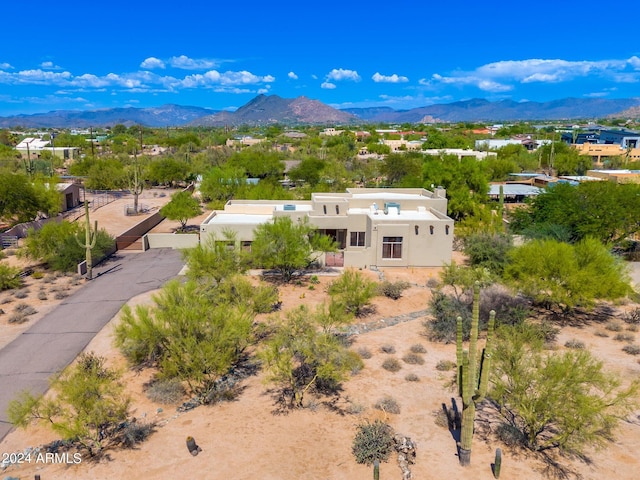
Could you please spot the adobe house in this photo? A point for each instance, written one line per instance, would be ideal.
(70, 193)
(374, 227)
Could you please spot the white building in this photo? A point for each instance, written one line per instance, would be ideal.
(373, 227)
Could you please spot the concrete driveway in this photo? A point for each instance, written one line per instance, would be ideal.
(54, 342)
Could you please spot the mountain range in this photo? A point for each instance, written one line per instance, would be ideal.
(272, 109)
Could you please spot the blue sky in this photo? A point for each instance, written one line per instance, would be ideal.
(73, 55)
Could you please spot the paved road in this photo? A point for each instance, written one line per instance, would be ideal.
(57, 338)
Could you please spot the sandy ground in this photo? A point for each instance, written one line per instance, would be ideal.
(246, 439)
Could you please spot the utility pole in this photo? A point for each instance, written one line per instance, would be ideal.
(91, 139)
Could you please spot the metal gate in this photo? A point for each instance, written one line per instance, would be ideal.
(334, 259)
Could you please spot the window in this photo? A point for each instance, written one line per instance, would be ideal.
(391, 247)
(324, 209)
(337, 209)
(357, 239)
(246, 246)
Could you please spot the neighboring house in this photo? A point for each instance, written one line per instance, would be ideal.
(617, 176)
(603, 136)
(525, 140)
(70, 193)
(459, 152)
(246, 141)
(374, 227)
(33, 147)
(599, 153)
(331, 132)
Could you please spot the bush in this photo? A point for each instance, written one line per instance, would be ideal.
(412, 377)
(576, 344)
(445, 310)
(166, 391)
(387, 348)
(134, 433)
(624, 337)
(9, 277)
(354, 291)
(413, 359)
(364, 352)
(632, 317)
(388, 404)
(17, 318)
(418, 348)
(601, 333)
(631, 349)
(445, 365)
(510, 435)
(24, 293)
(373, 441)
(391, 365)
(42, 295)
(613, 326)
(37, 275)
(510, 310)
(393, 290)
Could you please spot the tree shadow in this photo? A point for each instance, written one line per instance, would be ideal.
(454, 420)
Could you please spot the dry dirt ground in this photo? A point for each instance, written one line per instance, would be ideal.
(247, 438)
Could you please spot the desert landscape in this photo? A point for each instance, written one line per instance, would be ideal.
(249, 437)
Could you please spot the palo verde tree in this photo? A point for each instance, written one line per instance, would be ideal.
(288, 246)
(555, 400)
(88, 405)
(301, 355)
(216, 258)
(181, 207)
(559, 274)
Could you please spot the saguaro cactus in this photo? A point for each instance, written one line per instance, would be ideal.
(497, 464)
(472, 381)
(90, 240)
(136, 185)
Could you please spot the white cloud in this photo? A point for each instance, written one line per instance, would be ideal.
(315, 77)
(338, 74)
(151, 63)
(379, 78)
(187, 63)
(50, 66)
(292, 76)
(328, 85)
(5, 66)
(500, 76)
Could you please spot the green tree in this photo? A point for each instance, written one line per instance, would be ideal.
(9, 277)
(58, 245)
(216, 259)
(192, 333)
(354, 291)
(21, 200)
(300, 356)
(181, 207)
(565, 275)
(373, 442)
(563, 401)
(88, 405)
(488, 250)
(287, 246)
(167, 171)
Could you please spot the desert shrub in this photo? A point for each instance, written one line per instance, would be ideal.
(373, 441)
(632, 317)
(633, 328)
(433, 283)
(413, 358)
(354, 291)
(624, 337)
(387, 348)
(134, 433)
(24, 293)
(445, 365)
(21, 307)
(391, 364)
(576, 344)
(17, 318)
(42, 295)
(9, 277)
(388, 404)
(6, 300)
(56, 243)
(631, 349)
(510, 309)
(440, 418)
(393, 290)
(418, 348)
(37, 275)
(314, 280)
(411, 377)
(510, 435)
(445, 309)
(88, 407)
(488, 250)
(613, 326)
(60, 294)
(354, 408)
(48, 278)
(364, 352)
(601, 333)
(166, 391)
(548, 331)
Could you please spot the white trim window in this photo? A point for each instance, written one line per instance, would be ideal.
(391, 247)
